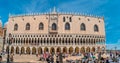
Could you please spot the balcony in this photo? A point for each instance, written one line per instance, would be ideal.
(53, 31)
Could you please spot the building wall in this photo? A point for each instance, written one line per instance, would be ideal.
(75, 24)
(44, 38)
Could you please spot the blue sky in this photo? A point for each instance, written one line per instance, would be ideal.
(110, 9)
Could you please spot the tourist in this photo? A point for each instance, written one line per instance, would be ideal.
(57, 59)
(114, 59)
(52, 59)
(11, 57)
(61, 57)
(99, 56)
(0, 58)
(48, 59)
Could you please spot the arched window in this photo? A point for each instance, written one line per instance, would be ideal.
(27, 26)
(16, 27)
(70, 19)
(67, 26)
(41, 26)
(82, 27)
(96, 29)
(63, 19)
(54, 26)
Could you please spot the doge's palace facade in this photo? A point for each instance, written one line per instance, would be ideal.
(55, 32)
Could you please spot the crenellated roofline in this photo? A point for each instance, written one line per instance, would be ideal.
(54, 11)
(48, 13)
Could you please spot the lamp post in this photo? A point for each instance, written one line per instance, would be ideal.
(10, 39)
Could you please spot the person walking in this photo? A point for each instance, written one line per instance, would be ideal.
(48, 59)
(99, 56)
(57, 59)
(107, 60)
(52, 59)
(0, 59)
(11, 57)
(61, 58)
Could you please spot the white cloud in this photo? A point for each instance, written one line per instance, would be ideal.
(83, 5)
(33, 6)
(112, 46)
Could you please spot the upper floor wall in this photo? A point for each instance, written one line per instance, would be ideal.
(56, 23)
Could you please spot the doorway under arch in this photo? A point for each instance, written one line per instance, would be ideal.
(28, 50)
(33, 50)
(65, 50)
(17, 50)
(71, 50)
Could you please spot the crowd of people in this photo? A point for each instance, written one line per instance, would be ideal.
(91, 57)
(87, 57)
(10, 57)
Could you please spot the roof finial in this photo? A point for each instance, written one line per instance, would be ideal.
(54, 10)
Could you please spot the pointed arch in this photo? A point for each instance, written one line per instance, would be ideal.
(82, 50)
(96, 29)
(88, 49)
(28, 26)
(28, 50)
(93, 49)
(82, 27)
(41, 26)
(52, 50)
(15, 27)
(22, 50)
(54, 26)
(67, 26)
(65, 50)
(12, 49)
(77, 50)
(58, 49)
(17, 50)
(71, 50)
(40, 50)
(33, 50)
(46, 49)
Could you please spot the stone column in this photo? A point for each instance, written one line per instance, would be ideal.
(52, 41)
(61, 41)
(61, 49)
(67, 49)
(73, 41)
(14, 50)
(41, 41)
(55, 49)
(43, 49)
(15, 41)
(30, 50)
(25, 41)
(25, 50)
(79, 41)
(55, 42)
(19, 50)
(36, 50)
(20, 41)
